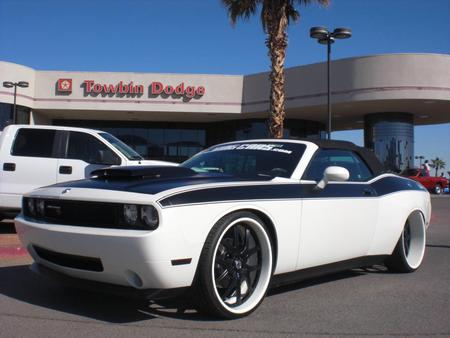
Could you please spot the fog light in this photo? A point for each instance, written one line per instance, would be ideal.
(130, 213)
(40, 207)
(149, 216)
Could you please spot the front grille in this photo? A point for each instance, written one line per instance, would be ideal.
(70, 261)
(78, 213)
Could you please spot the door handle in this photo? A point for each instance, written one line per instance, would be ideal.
(65, 169)
(9, 166)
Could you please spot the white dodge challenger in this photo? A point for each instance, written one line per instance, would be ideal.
(228, 223)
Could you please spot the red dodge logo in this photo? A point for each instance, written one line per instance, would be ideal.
(65, 85)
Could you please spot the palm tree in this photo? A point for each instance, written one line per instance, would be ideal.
(437, 164)
(275, 17)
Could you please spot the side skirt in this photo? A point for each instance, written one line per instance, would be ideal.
(316, 271)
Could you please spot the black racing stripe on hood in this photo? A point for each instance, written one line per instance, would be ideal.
(155, 185)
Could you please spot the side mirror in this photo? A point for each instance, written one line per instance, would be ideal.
(333, 174)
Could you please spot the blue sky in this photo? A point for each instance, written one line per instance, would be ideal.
(179, 36)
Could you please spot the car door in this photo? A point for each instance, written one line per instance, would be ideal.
(83, 154)
(425, 179)
(338, 222)
(30, 164)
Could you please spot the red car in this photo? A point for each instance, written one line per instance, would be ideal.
(434, 184)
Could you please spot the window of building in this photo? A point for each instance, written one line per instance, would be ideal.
(34, 142)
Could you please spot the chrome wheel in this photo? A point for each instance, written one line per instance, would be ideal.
(242, 265)
(410, 249)
(237, 264)
(406, 238)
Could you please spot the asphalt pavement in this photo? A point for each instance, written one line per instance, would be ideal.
(369, 302)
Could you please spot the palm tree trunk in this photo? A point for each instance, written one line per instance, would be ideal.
(277, 43)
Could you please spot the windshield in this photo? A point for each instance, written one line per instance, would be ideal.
(129, 153)
(249, 159)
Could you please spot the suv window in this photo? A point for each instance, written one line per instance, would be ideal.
(359, 171)
(87, 148)
(34, 142)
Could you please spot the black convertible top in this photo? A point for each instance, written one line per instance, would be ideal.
(366, 154)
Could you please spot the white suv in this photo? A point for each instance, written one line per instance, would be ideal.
(36, 156)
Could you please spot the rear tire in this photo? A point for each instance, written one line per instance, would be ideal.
(235, 267)
(410, 249)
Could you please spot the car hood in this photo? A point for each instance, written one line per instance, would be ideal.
(153, 180)
(152, 163)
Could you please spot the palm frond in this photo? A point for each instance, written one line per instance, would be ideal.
(308, 2)
(240, 9)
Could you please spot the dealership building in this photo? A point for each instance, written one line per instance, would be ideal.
(172, 116)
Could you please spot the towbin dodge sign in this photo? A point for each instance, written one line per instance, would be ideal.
(131, 89)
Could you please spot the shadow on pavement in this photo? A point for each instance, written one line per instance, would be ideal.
(7, 228)
(19, 282)
(316, 281)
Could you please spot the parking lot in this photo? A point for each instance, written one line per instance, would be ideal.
(352, 303)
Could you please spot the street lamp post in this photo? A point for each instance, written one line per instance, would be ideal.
(326, 37)
(21, 84)
(420, 158)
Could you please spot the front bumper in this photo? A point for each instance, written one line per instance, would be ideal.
(118, 290)
(132, 258)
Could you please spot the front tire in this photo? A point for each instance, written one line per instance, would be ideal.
(410, 249)
(235, 267)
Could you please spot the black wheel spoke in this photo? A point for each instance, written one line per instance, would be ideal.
(230, 289)
(222, 276)
(238, 291)
(236, 236)
(228, 244)
(246, 242)
(221, 262)
(252, 268)
(251, 252)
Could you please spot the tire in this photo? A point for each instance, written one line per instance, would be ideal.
(237, 252)
(410, 249)
(438, 189)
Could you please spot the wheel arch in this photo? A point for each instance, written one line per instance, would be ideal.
(408, 215)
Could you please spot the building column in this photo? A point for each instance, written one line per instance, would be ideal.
(391, 137)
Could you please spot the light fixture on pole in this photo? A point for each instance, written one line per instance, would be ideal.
(420, 158)
(21, 84)
(326, 37)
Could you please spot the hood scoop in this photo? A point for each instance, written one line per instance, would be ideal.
(141, 172)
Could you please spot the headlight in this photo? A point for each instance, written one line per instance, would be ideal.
(149, 216)
(40, 207)
(31, 206)
(130, 213)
